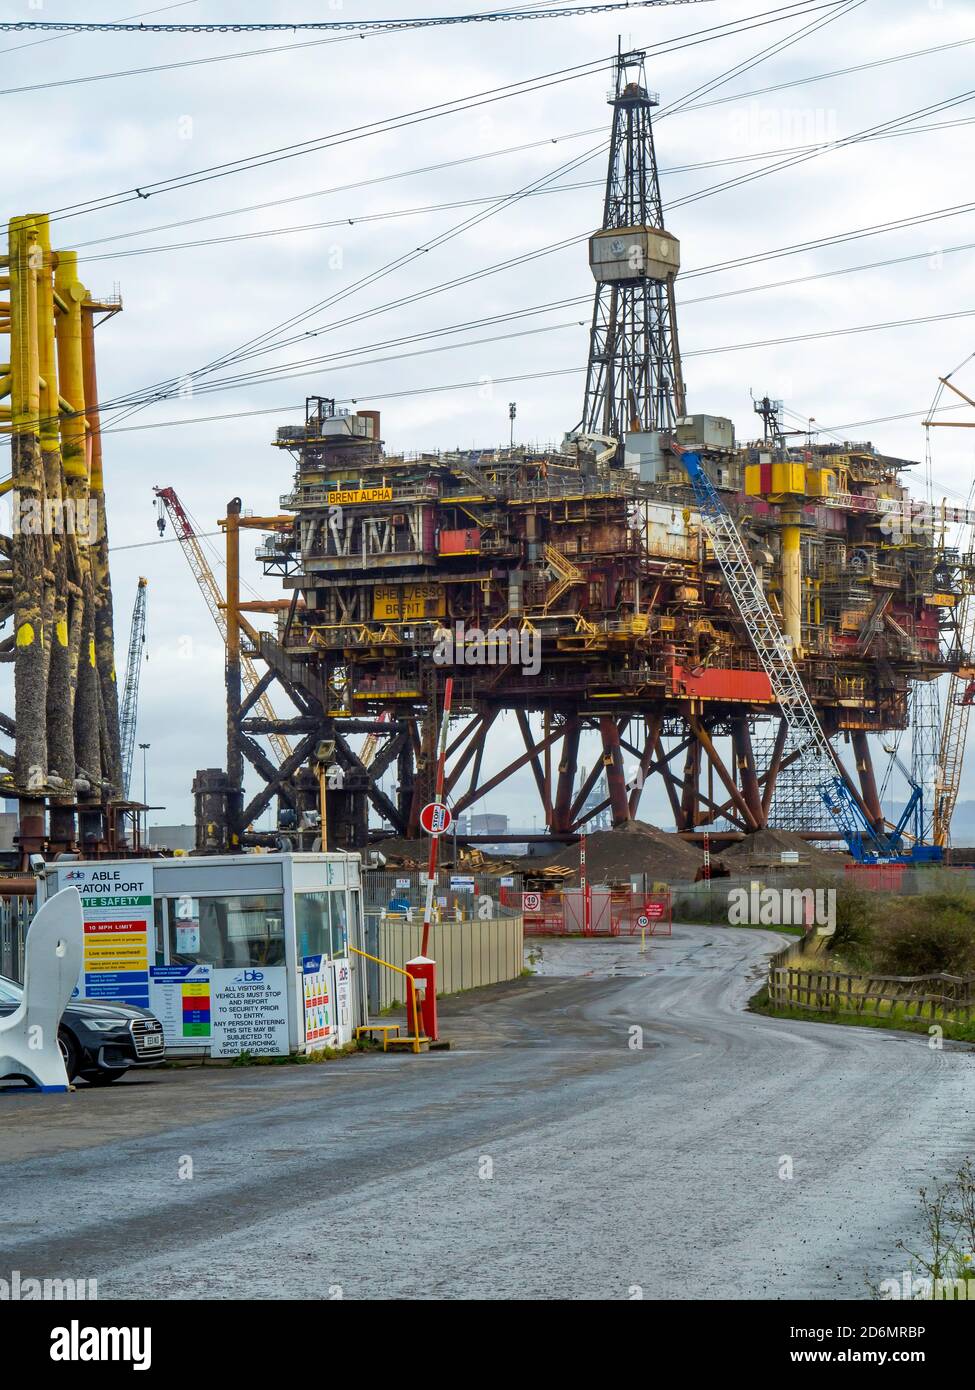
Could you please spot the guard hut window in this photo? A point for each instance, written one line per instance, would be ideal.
(320, 924)
(226, 932)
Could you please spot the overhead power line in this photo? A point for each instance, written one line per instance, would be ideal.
(422, 210)
(266, 341)
(565, 371)
(394, 27)
(319, 25)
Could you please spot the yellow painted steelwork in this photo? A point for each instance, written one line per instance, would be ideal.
(792, 586)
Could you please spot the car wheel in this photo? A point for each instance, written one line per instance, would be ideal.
(69, 1052)
(102, 1078)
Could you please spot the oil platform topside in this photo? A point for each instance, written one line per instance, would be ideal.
(575, 587)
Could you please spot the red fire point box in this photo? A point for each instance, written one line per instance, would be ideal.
(424, 973)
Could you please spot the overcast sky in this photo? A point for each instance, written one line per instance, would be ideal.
(74, 141)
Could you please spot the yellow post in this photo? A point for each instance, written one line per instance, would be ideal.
(792, 584)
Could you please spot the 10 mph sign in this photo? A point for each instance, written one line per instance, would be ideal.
(435, 818)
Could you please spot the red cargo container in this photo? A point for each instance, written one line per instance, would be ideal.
(466, 542)
(716, 683)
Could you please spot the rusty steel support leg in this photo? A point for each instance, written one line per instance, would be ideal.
(745, 763)
(30, 836)
(404, 778)
(613, 764)
(689, 787)
(568, 764)
(868, 781)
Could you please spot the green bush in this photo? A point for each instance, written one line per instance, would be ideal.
(927, 935)
(857, 913)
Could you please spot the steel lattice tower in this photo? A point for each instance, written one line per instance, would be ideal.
(633, 381)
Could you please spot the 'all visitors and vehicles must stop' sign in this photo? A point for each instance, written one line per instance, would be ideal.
(435, 818)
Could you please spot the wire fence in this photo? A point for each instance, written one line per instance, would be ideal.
(15, 917)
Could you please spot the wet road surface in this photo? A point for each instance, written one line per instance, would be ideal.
(615, 1127)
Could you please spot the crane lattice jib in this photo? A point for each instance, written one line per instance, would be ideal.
(954, 731)
(805, 737)
(129, 712)
(205, 578)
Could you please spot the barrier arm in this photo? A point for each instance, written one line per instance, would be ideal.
(399, 971)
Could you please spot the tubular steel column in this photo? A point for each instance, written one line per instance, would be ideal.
(30, 683)
(568, 764)
(104, 623)
(60, 686)
(868, 782)
(613, 764)
(745, 763)
(81, 636)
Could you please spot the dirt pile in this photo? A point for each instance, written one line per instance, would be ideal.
(612, 856)
(764, 850)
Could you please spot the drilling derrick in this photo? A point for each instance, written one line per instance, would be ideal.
(633, 381)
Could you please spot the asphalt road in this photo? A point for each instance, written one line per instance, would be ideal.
(544, 1156)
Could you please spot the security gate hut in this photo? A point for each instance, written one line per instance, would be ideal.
(234, 954)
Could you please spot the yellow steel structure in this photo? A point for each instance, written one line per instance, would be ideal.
(57, 588)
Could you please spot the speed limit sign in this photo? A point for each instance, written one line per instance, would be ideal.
(531, 902)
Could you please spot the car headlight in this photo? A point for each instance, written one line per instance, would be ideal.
(105, 1025)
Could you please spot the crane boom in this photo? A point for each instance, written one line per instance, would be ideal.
(205, 578)
(129, 712)
(954, 732)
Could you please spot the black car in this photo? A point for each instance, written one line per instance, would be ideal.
(99, 1042)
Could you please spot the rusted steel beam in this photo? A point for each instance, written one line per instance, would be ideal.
(868, 780)
(613, 764)
(704, 739)
(741, 743)
(568, 764)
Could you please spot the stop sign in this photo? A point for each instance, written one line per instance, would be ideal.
(435, 818)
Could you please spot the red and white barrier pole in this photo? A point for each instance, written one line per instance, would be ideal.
(448, 692)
